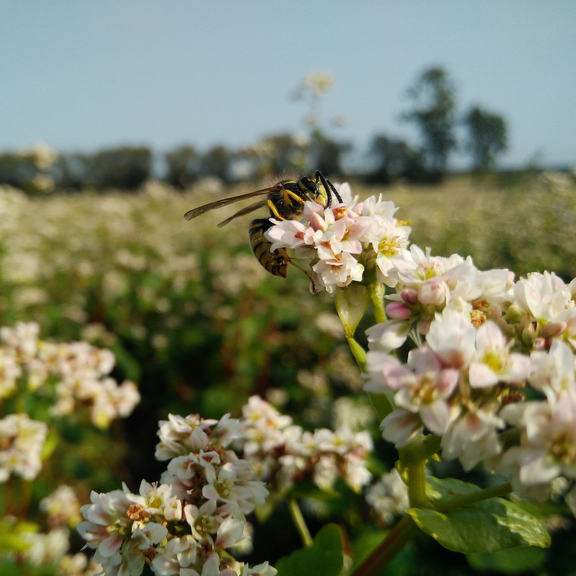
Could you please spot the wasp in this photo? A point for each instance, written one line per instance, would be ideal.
(285, 201)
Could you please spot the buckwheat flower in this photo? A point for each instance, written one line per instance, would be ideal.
(153, 498)
(401, 427)
(548, 443)
(210, 568)
(10, 371)
(325, 472)
(542, 296)
(337, 271)
(221, 485)
(78, 565)
(107, 523)
(62, 507)
(388, 237)
(230, 532)
(179, 435)
(389, 497)
(47, 548)
(21, 443)
(553, 371)
(203, 521)
(293, 234)
(109, 401)
(146, 534)
(494, 362)
(473, 437)
(452, 337)
(175, 556)
(388, 335)
(22, 339)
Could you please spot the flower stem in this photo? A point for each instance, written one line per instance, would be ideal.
(376, 291)
(417, 485)
(397, 538)
(358, 352)
(479, 495)
(299, 521)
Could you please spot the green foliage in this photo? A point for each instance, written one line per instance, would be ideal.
(125, 167)
(487, 137)
(13, 535)
(485, 526)
(395, 159)
(325, 557)
(433, 95)
(182, 166)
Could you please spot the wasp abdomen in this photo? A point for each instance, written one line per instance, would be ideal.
(273, 262)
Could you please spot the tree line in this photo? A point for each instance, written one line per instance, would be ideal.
(432, 110)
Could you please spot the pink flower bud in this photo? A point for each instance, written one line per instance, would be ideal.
(409, 295)
(397, 311)
(553, 329)
(433, 292)
(317, 222)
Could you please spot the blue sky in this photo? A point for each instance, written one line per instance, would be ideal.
(87, 75)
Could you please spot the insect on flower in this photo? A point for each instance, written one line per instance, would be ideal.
(285, 200)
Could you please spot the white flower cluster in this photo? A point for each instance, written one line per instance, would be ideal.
(388, 497)
(183, 525)
(78, 371)
(61, 507)
(21, 443)
(343, 240)
(284, 454)
(480, 339)
(42, 549)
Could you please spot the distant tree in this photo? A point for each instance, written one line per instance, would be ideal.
(487, 137)
(394, 159)
(277, 154)
(433, 95)
(14, 170)
(125, 167)
(183, 166)
(217, 162)
(71, 171)
(329, 154)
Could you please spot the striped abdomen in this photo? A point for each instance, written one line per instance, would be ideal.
(273, 262)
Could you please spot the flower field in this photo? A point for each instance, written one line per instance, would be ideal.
(201, 328)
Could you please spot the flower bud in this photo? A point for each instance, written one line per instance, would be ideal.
(553, 329)
(397, 311)
(351, 304)
(433, 293)
(409, 295)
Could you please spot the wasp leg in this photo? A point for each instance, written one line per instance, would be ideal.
(290, 261)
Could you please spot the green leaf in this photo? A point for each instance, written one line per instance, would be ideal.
(511, 561)
(383, 404)
(14, 536)
(485, 526)
(363, 546)
(324, 558)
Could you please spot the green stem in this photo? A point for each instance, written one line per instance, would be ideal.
(417, 485)
(376, 291)
(299, 521)
(397, 538)
(406, 529)
(479, 495)
(358, 352)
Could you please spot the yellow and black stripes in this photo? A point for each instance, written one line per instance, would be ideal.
(272, 262)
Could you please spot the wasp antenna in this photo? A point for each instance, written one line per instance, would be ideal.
(329, 187)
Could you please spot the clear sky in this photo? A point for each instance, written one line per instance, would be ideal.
(86, 75)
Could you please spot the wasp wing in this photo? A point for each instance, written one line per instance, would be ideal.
(244, 211)
(224, 202)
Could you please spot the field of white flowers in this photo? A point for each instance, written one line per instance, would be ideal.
(191, 317)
